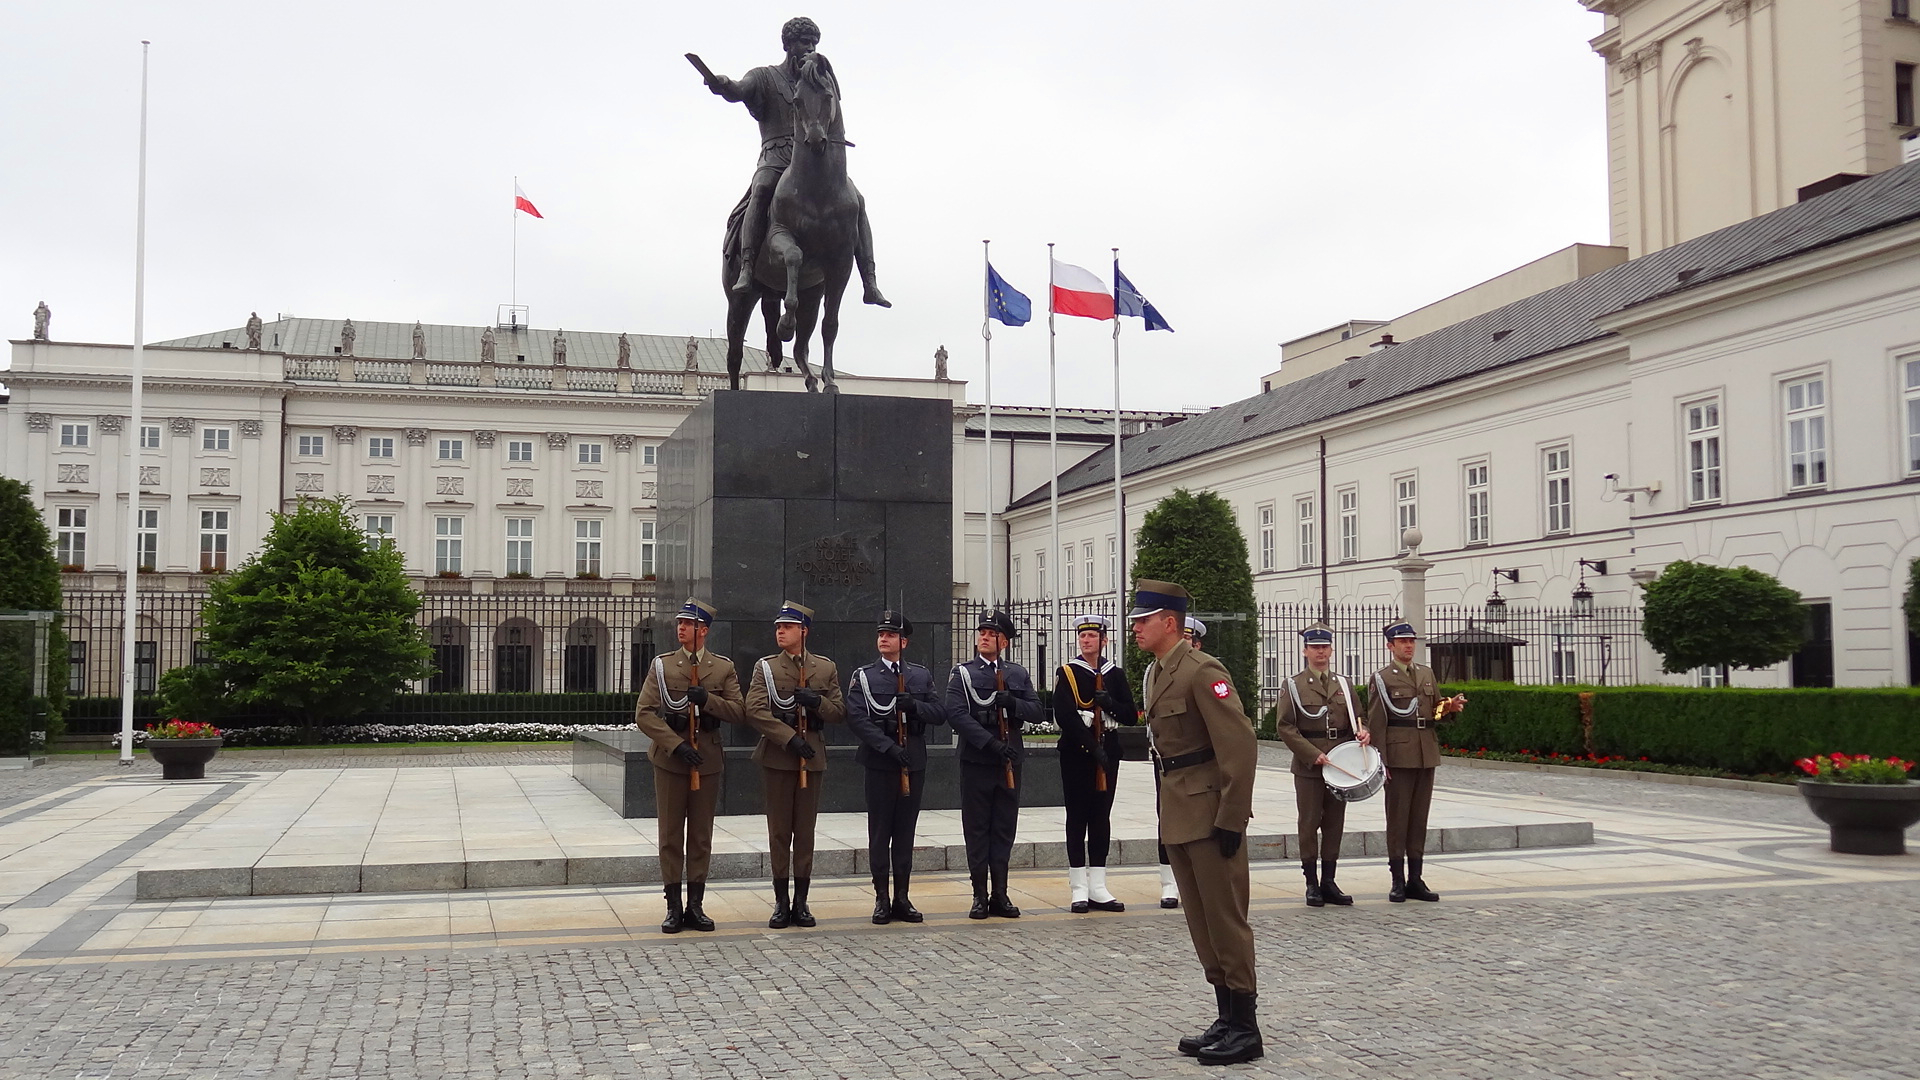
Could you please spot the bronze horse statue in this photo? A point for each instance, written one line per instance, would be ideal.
(818, 230)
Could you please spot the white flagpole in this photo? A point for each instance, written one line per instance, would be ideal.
(1053, 472)
(986, 335)
(130, 606)
(1119, 656)
(513, 294)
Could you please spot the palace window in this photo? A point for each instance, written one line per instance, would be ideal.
(149, 436)
(213, 540)
(646, 549)
(1349, 524)
(1066, 570)
(1479, 491)
(586, 546)
(447, 536)
(519, 450)
(70, 536)
(380, 448)
(378, 529)
(1703, 450)
(648, 453)
(76, 435)
(1086, 563)
(1266, 536)
(1556, 467)
(313, 445)
(1912, 395)
(453, 449)
(587, 453)
(216, 438)
(1806, 415)
(1016, 577)
(76, 667)
(1307, 530)
(147, 542)
(519, 545)
(1113, 563)
(1903, 94)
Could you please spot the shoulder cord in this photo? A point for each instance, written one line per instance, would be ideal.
(1386, 699)
(660, 679)
(866, 691)
(773, 692)
(1293, 691)
(1073, 687)
(966, 680)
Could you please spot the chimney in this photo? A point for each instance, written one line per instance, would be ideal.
(1385, 340)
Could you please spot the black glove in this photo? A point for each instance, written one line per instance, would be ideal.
(688, 754)
(897, 754)
(677, 721)
(1229, 841)
(1100, 755)
(908, 706)
(1106, 702)
(1003, 749)
(1004, 699)
(697, 695)
(807, 699)
(799, 745)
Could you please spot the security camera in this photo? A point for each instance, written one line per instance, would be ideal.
(1611, 476)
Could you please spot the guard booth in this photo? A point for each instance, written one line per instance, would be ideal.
(1473, 655)
(24, 656)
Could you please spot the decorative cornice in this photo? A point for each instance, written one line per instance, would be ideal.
(417, 436)
(346, 434)
(557, 440)
(180, 425)
(249, 429)
(484, 439)
(109, 423)
(623, 442)
(39, 421)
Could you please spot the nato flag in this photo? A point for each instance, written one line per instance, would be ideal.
(1006, 303)
(1128, 301)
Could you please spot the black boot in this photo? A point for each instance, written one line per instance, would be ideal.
(903, 908)
(1191, 1045)
(981, 907)
(801, 916)
(782, 914)
(671, 924)
(1330, 892)
(1314, 897)
(1002, 906)
(1398, 867)
(1241, 1042)
(1416, 888)
(882, 903)
(695, 917)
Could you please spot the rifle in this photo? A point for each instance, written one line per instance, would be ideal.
(900, 717)
(800, 714)
(1000, 685)
(693, 722)
(1097, 727)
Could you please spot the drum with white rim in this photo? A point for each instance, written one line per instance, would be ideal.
(1354, 772)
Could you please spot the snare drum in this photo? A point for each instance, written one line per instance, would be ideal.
(1364, 773)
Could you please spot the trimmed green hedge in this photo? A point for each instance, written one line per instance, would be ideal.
(1738, 730)
(101, 715)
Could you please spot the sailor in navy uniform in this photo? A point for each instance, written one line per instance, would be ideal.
(989, 696)
(1090, 689)
(890, 702)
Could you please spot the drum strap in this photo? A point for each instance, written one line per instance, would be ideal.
(1346, 694)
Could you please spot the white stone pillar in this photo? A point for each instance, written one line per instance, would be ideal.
(1413, 589)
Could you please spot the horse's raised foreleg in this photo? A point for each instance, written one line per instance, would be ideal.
(787, 253)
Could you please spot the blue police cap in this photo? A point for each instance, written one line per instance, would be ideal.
(696, 611)
(794, 613)
(1401, 630)
(1150, 597)
(1317, 634)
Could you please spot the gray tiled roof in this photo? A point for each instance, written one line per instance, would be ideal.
(1525, 329)
(394, 341)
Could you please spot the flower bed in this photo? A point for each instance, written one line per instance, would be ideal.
(1603, 761)
(1855, 769)
(399, 733)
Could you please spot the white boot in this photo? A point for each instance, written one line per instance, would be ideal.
(1077, 880)
(1097, 892)
(1169, 891)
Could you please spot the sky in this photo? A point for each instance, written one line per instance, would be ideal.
(1266, 169)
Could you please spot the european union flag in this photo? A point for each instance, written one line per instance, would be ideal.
(1006, 303)
(1128, 301)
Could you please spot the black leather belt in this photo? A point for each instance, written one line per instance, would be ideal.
(1339, 735)
(1181, 761)
(1411, 721)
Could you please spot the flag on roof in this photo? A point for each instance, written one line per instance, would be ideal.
(1006, 303)
(1077, 291)
(1128, 301)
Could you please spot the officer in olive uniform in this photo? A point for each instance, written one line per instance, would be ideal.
(988, 699)
(1403, 708)
(1316, 714)
(792, 695)
(687, 693)
(890, 702)
(1089, 688)
(1207, 758)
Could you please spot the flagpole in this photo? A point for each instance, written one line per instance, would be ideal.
(1119, 505)
(986, 335)
(1053, 471)
(513, 296)
(130, 606)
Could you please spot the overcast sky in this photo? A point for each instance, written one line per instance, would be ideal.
(1267, 169)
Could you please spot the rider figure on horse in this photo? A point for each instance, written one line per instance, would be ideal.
(768, 94)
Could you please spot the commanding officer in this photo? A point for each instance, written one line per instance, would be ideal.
(1404, 708)
(687, 692)
(988, 699)
(890, 702)
(1316, 714)
(1090, 687)
(1207, 759)
(793, 694)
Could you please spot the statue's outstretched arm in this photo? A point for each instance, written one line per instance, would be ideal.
(719, 84)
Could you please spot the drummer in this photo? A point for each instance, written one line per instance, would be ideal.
(1315, 715)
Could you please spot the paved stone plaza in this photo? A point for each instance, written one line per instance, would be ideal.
(1704, 933)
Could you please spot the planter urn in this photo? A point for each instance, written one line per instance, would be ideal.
(1865, 819)
(183, 759)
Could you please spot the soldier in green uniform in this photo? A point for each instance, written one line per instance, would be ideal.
(1315, 715)
(1207, 758)
(1403, 710)
(792, 695)
(687, 692)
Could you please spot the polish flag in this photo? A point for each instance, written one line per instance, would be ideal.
(521, 202)
(1080, 292)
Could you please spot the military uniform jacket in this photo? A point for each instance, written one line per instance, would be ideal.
(977, 725)
(874, 713)
(1192, 707)
(1307, 709)
(774, 715)
(1400, 715)
(1075, 736)
(724, 705)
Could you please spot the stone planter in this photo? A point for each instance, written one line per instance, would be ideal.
(183, 759)
(1865, 819)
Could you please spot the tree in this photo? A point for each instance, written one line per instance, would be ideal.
(1913, 597)
(1709, 616)
(1195, 542)
(29, 581)
(318, 623)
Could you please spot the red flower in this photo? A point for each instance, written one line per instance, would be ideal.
(1806, 765)
(1840, 761)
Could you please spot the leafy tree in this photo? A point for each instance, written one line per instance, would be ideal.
(1913, 597)
(1707, 616)
(1195, 542)
(29, 581)
(318, 623)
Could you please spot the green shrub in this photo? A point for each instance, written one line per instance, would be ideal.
(101, 715)
(1502, 716)
(1754, 731)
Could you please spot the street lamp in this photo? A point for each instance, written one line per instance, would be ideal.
(1497, 604)
(1583, 596)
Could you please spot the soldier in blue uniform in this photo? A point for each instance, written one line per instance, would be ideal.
(890, 702)
(989, 698)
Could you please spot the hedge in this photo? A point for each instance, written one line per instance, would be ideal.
(101, 715)
(1737, 730)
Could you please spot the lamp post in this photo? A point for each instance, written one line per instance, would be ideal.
(1497, 604)
(1583, 596)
